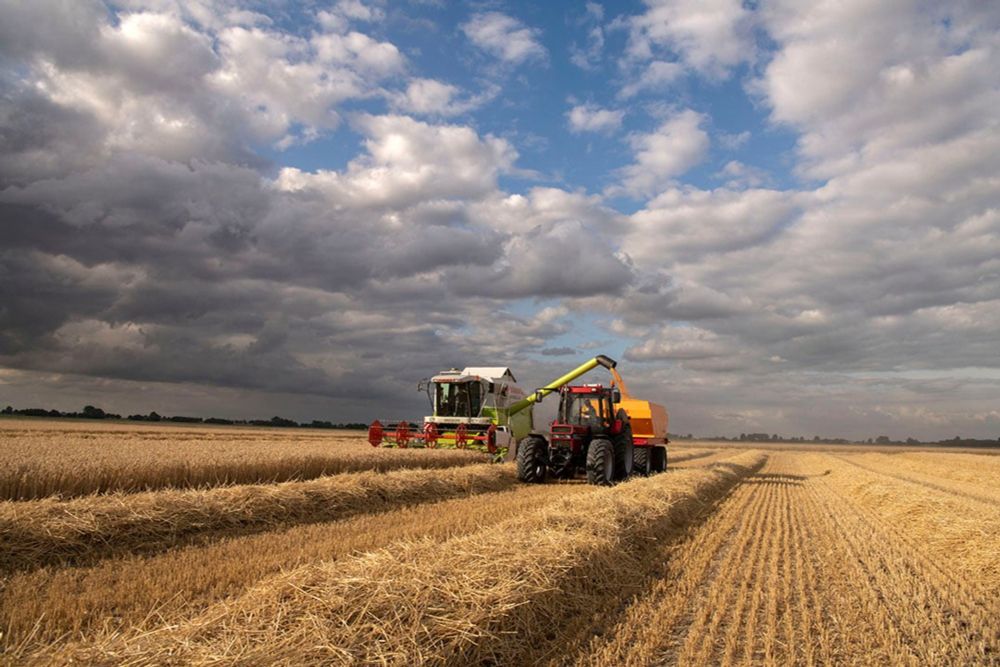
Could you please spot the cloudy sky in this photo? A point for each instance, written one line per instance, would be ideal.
(779, 218)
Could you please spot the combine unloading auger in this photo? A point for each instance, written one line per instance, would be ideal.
(479, 408)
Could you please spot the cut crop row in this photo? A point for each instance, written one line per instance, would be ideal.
(49, 532)
(43, 609)
(501, 595)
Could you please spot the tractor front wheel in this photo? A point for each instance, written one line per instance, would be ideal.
(532, 460)
(601, 462)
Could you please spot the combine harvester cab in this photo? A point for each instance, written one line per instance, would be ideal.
(479, 408)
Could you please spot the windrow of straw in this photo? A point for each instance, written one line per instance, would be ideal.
(54, 606)
(975, 479)
(504, 595)
(959, 532)
(69, 460)
(676, 455)
(83, 530)
(705, 460)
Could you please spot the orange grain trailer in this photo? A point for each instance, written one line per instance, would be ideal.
(649, 430)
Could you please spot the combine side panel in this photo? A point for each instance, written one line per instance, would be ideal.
(521, 424)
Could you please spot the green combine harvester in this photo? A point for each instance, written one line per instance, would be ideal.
(479, 408)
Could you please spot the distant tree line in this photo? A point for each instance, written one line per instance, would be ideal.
(91, 412)
(878, 440)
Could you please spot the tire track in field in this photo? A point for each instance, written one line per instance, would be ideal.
(938, 616)
(68, 603)
(856, 624)
(740, 591)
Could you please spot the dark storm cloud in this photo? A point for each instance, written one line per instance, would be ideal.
(143, 238)
(143, 242)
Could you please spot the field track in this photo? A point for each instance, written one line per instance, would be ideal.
(733, 557)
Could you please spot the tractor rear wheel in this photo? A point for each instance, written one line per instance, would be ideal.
(624, 456)
(601, 462)
(532, 459)
(641, 461)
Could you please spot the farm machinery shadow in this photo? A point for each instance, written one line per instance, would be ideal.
(569, 636)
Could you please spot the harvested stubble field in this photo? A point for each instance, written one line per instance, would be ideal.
(812, 556)
(45, 458)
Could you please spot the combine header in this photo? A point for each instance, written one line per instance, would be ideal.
(478, 408)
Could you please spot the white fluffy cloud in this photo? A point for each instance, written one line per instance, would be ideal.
(589, 54)
(655, 76)
(409, 161)
(431, 97)
(678, 144)
(682, 225)
(590, 118)
(862, 80)
(158, 84)
(505, 37)
(680, 343)
(709, 36)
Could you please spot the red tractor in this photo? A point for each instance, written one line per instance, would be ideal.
(589, 435)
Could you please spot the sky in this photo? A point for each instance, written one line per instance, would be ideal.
(778, 216)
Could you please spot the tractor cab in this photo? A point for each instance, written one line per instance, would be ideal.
(590, 434)
(586, 411)
(591, 405)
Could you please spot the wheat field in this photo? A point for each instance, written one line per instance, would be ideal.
(45, 458)
(806, 555)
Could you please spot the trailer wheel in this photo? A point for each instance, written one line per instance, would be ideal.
(659, 459)
(601, 462)
(641, 461)
(532, 459)
(624, 456)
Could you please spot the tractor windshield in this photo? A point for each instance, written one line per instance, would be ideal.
(458, 399)
(583, 409)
